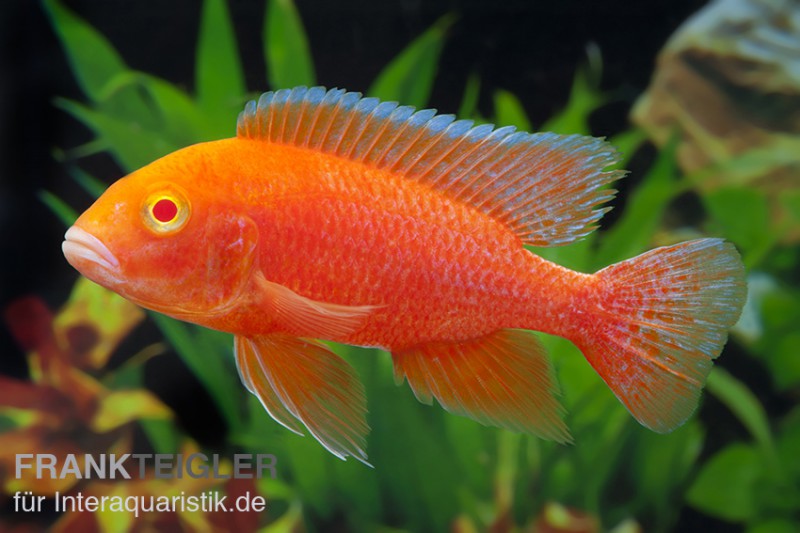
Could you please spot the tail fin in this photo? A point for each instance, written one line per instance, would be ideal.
(661, 318)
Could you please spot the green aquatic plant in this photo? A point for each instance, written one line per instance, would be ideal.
(433, 470)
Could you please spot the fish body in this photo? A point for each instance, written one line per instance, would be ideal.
(342, 218)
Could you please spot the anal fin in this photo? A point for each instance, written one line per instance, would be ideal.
(503, 379)
(302, 381)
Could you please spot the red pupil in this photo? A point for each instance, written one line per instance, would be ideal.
(165, 210)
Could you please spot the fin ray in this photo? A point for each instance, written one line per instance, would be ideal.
(547, 188)
(663, 319)
(254, 380)
(503, 379)
(300, 381)
(310, 318)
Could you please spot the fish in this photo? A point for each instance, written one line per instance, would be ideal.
(336, 217)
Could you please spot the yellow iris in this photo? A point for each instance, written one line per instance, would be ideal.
(165, 212)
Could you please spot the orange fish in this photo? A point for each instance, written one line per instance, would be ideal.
(332, 216)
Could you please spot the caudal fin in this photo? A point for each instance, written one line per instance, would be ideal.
(660, 320)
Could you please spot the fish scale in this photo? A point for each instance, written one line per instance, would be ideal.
(335, 217)
(355, 226)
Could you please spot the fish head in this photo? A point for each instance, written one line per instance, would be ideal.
(166, 240)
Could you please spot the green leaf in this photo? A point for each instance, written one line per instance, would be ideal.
(260, 433)
(162, 434)
(120, 407)
(130, 146)
(743, 403)
(626, 143)
(662, 462)
(775, 526)
(408, 78)
(575, 255)
(92, 58)
(177, 118)
(126, 102)
(780, 310)
(358, 487)
(509, 111)
(408, 446)
(311, 472)
(470, 442)
(95, 64)
(469, 101)
(286, 49)
(741, 215)
(358, 490)
(584, 98)
(508, 455)
(59, 207)
(291, 520)
(635, 228)
(203, 354)
(219, 75)
(726, 484)
(599, 458)
(790, 200)
(90, 184)
(771, 318)
(789, 442)
(784, 361)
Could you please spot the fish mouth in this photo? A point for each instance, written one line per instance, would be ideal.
(89, 255)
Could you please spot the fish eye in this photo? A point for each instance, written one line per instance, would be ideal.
(165, 212)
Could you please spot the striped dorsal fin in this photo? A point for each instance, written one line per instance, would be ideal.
(547, 188)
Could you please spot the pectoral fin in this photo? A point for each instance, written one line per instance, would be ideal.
(301, 381)
(305, 317)
(503, 379)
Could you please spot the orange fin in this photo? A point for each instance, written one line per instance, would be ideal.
(545, 187)
(305, 317)
(665, 316)
(255, 380)
(301, 381)
(503, 379)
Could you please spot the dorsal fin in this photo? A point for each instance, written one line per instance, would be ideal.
(545, 187)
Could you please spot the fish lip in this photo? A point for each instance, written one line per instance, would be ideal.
(80, 244)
